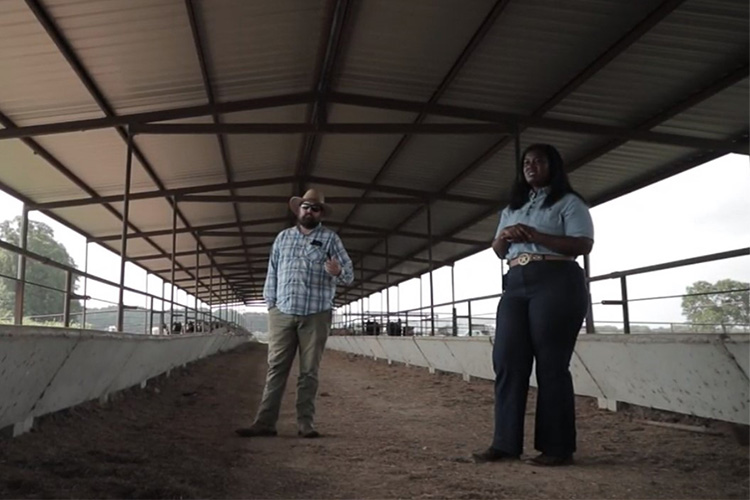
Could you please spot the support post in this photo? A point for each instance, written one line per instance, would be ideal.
(66, 303)
(387, 289)
(589, 309)
(362, 291)
(432, 285)
(124, 233)
(174, 258)
(21, 273)
(453, 299)
(195, 291)
(85, 283)
(625, 310)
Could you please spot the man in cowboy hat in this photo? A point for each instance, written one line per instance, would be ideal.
(307, 262)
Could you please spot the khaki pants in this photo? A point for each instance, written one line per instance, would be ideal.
(287, 333)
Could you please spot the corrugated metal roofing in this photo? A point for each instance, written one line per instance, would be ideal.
(553, 72)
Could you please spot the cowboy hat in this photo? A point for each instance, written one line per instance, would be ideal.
(310, 196)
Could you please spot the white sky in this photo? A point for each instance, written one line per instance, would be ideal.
(701, 211)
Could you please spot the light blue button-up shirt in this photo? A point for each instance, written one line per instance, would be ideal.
(297, 282)
(569, 216)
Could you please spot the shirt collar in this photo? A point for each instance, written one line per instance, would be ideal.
(299, 232)
(541, 193)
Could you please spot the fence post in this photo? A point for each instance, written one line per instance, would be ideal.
(625, 312)
(21, 274)
(66, 304)
(590, 309)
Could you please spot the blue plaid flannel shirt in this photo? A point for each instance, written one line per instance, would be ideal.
(297, 282)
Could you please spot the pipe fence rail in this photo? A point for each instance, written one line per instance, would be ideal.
(68, 309)
(444, 318)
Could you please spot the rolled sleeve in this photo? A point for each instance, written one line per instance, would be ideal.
(269, 288)
(347, 267)
(503, 223)
(577, 219)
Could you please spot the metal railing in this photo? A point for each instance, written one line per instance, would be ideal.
(154, 319)
(420, 320)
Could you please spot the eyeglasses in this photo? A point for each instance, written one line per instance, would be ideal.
(312, 208)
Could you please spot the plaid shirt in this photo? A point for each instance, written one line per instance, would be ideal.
(297, 282)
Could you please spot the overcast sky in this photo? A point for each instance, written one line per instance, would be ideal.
(701, 211)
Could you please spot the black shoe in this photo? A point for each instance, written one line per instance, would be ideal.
(308, 433)
(256, 431)
(492, 455)
(544, 460)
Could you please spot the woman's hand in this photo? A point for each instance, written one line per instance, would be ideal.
(519, 233)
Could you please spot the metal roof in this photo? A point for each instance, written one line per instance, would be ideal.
(399, 111)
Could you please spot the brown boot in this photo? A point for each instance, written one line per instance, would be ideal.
(256, 430)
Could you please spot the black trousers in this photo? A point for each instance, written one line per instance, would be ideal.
(539, 317)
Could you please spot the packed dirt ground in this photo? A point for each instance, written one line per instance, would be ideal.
(388, 431)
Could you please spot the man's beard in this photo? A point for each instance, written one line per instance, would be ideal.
(308, 222)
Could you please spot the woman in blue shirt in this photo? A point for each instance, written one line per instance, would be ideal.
(545, 226)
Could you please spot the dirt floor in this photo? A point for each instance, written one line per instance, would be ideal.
(389, 431)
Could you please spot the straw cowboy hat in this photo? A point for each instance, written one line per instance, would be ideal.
(311, 196)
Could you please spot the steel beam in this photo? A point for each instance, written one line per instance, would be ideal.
(124, 234)
(23, 235)
(449, 77)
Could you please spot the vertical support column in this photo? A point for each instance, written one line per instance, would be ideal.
(381, 311)
(85, 283)
(195, 291)
(453, 299)
(173, 259)
(398, 308)
(151, 316)
(387, 289)
(432, 285)
(211, 300)
(590, 309)
(21, 272)
(421, 306)
(124, 234)
(470, 326)
(146, 308)
(625, 310)
(362, 291)
(162, 324)
(66, 303)
(221, 299)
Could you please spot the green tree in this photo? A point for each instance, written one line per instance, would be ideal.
(710, 306)
(38, 301)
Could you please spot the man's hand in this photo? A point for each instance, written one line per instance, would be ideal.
(333, 267)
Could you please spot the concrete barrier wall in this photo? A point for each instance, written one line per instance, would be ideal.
(43, 370)
(702, 375)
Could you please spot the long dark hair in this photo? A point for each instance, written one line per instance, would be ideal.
(558, 179)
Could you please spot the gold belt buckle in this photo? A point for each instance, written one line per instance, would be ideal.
(524, 259)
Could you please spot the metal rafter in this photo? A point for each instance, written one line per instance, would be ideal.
(694, 99)
(69, 54)
(195, 30)
(195, 229)
(156, 116)
(466, 53)
(178, 193)
(317, 114)
(74, 179)
(408, 194)
(214, 251)
(622, 44)
(727, 80)
(393, 200)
